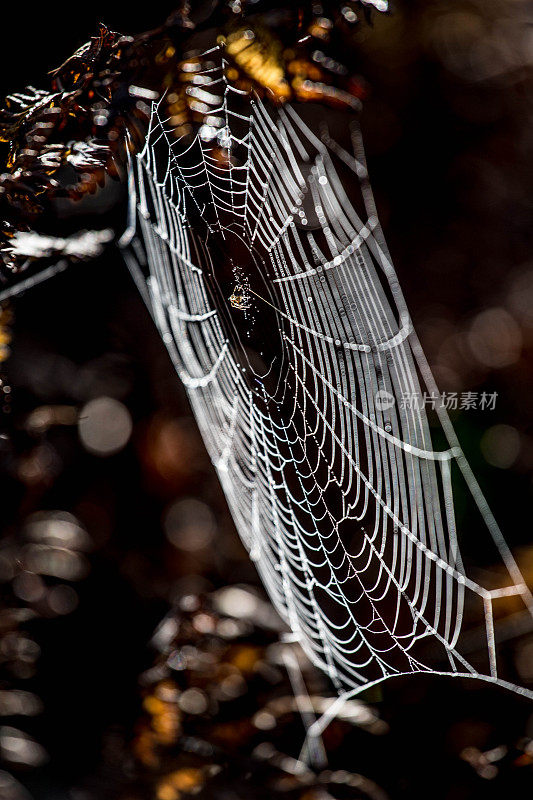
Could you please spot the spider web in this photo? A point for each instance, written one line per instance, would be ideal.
(269, 279)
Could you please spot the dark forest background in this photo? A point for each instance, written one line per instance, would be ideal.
(449, 134)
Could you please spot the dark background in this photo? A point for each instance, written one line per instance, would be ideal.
(448, 132)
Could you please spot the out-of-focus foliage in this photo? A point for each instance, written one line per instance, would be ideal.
(142, 533)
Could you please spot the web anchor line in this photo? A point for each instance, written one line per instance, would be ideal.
(344, 503)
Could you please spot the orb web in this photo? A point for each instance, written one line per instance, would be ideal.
(257, 247)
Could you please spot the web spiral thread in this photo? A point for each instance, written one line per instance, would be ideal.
(336, 488)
